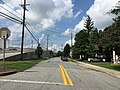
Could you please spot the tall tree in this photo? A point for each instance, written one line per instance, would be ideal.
(110, 37)
(81, 42)
(88, 24)
(39, 51)
(59, 53)
(85, 40)
(67, 50)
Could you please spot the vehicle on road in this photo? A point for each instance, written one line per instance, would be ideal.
(96, 59)
(64, 58)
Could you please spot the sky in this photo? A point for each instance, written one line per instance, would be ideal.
(56, 19)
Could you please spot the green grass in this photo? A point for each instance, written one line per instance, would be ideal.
(107, 65)
(21, 65)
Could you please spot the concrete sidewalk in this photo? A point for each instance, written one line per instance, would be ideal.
(97, 68)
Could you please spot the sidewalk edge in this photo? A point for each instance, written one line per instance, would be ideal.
(97, 68)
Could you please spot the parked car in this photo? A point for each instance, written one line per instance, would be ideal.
(96, 59)
(64, 58)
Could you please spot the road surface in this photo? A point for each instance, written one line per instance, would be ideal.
(55, 74)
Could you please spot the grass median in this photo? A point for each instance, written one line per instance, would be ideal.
(106, 65)
(20, 65)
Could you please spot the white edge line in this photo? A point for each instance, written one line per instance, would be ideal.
(31, 82)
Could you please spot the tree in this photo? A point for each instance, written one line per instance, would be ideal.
(110, 37)
(81, 42)
(59, 53)
(39, 51)
(85, 39)
(66, 51)
(116, 10)
(88, 24)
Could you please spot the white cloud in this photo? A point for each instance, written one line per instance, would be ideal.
(67, 32)
(54, 47)
(80, 25)
(41, 38)
(98, 12)
(47, 23)
(49, 11)
(69, 42)
(41, 15)
(78, 13)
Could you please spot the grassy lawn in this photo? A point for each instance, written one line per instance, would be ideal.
(20, 65)
(106, 65)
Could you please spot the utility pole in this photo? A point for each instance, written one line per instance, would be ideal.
(47, 42)
(61, 47)
(71, 44)
(32, 44)
(4, 46)
(22, 43)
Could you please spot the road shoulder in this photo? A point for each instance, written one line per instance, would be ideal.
(100, 69)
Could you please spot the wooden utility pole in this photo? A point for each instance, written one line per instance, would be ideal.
(71, 44)
(22, 43)
(47, 42)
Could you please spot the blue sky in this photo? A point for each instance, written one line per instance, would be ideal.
(58, 18)
(79, 5)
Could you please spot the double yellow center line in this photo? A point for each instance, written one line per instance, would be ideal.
(65, 76)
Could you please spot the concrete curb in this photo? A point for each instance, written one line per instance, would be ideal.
(3, 73)
(97, 68)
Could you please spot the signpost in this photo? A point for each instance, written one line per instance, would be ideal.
(4, 34)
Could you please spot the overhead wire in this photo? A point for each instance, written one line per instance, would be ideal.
(3, 14)
(13, 39)
(31, 34)
(37, 22)
(15, 20)
(11, 9)
(10, 19)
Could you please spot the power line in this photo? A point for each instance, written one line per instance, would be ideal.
(9, 7)
(11, 17)
(10, 11)
(31, 34)
(30, 27)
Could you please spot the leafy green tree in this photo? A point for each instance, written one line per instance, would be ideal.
(88, 24)
(66, 51)
(59, 53)
(39, 51)
(81, 42)
(110, 37)
(86, 40)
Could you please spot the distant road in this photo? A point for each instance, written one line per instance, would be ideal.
(55, 74)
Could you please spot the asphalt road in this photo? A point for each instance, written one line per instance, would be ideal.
(54, 74)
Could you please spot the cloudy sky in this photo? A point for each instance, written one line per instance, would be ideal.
(54, 18)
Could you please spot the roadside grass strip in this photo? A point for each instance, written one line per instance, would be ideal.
(65, 76)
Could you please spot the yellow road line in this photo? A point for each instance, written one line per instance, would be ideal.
(67, 76)
(63, 76)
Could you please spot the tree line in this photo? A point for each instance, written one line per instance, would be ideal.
(91, 41)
